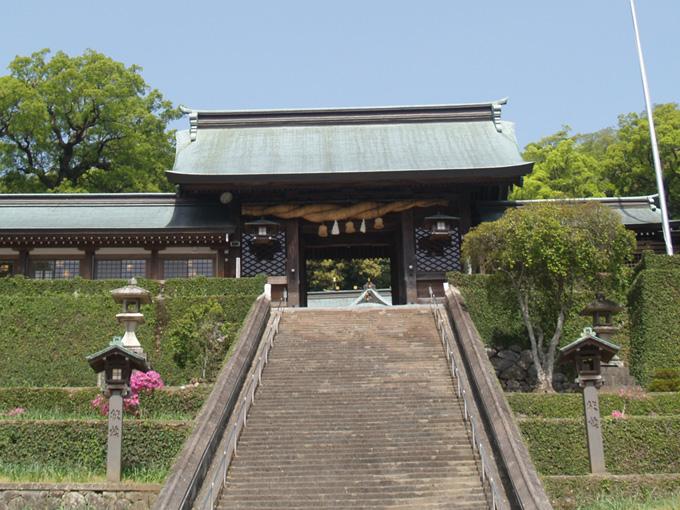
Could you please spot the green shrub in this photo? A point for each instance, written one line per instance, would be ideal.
(654, 302)
(572, 492)
(651, 260)
(632, 446)
(665, 380)
(169, 401)
(570, 405)
(82, 443)
(50, 326)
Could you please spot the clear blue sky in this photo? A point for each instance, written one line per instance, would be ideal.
(560, 62)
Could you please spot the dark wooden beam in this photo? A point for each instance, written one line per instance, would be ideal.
(87, 264)
(408, 250)
(155, 270)
(293, 262)
(220, 263)
(24, 266)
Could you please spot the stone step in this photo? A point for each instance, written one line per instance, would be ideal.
(356, 410)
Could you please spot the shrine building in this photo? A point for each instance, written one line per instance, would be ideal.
(264, 191)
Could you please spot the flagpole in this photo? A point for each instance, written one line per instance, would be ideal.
(652, 133)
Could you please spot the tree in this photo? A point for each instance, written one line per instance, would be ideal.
(84, 123)
(565, 167)
(541, 255)
(628, 162)
(330, 274)
(199, 340)
(610, 162)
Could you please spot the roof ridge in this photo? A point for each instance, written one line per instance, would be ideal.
(487, 111)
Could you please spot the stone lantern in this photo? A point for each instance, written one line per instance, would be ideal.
(262, 230)
(587, 354)
(602, 311)
(117, 364)
(440, 226)
(131, 297)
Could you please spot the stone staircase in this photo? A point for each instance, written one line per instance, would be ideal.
(356, 410)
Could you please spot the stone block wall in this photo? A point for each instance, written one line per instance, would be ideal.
(72, 496)
(516, 371)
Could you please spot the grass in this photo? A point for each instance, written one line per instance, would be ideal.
(648, 503)
(54, 473)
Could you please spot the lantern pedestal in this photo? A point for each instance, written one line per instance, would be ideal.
(114, 441)
(587, 354)
(117, 364)
(591, 412)
(129, 340)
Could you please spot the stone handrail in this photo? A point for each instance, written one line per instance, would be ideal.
(189, 469)
(522, 485)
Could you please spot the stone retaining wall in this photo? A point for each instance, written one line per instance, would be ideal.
(516, 371)
(77, 496)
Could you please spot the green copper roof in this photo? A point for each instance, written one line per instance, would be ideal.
(634, 211)
(111, 212)
(345, 141)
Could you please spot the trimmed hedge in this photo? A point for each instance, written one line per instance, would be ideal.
(654, 303)
(570, 405)
(48, 327)
(82, 443)
(167, 401)
(632, 446)
(498, 319)
(571, 492)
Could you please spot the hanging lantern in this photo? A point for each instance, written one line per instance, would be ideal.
(440, 226)
(336, 228)
(323, 230)
(362, 228)
(378, 223)
(349, 227)
(263, 231)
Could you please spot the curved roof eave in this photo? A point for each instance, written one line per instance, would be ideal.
(507, 171)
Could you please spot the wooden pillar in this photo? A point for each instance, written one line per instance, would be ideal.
(23, 267)
(293, 265)
(87, 264)
(155, 265)
(408, 256)
(220, 263)
(465, 214)
(231, 254)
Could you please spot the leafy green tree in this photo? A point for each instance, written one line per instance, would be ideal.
(201, 339)
(563, 169)
(541, 255)
(628, 162)
(610, 162)
(331, 274)
(84, 123)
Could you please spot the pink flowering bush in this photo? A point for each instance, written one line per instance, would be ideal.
(140, 382)
(148, 381)
(618, 415)
(17, 411)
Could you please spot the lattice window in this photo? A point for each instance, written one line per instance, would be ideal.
(434, 256)
(269, 259)
(187, 268)
(126, 268)
(56, 269)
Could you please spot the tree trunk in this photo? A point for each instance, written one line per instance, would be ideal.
(544, 379)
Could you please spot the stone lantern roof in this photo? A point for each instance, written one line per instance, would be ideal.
(98, 360)
(601, 306)
(589, 340)
(131, 292)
